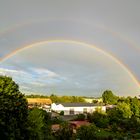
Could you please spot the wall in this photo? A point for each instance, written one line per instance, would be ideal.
(77, 110)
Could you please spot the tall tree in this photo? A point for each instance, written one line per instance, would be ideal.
(109, 97)
(13, 110)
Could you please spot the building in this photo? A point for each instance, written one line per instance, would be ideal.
(76, 108)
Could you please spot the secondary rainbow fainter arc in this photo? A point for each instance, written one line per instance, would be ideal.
(26, 24)
(73, 42)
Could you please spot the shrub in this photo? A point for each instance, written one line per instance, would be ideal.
(80, 117)
(61, 113)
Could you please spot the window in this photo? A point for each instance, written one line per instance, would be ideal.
(84, 110)
(71, 111)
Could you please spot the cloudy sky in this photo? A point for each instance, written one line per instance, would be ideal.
(71, 47)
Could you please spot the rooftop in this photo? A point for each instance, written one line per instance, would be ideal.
(77, 104)
(79, 123)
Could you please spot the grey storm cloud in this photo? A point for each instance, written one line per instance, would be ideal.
(112, 26)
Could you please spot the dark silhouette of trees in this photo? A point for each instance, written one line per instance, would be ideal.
(13, 110)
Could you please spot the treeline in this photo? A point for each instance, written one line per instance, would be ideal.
(36, 96)
(17, 122)
(58, 99)
(120, 122)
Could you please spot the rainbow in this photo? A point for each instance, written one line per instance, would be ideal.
(78, 43)
(11, 29)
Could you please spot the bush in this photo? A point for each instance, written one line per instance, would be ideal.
(100, 119)
(61, 113)
(64, 133)
(80, 117)
(87, 132)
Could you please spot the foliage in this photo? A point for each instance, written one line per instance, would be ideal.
(64, 133)
(19, 123)
(61, 113)
(56, 120)
(104, 135)
(94, 101)
(124, 109)
(36, 96)
(54, 98)
(80, 117)
(64, 99)
(13, 110)
(135, 106)
(114, 115)
(109, 97)
(99, 109)
(119, 122)
(57, 99)
(38, 122)
(87, 132)
(99, 119)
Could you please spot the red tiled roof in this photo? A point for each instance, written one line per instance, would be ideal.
(79, 123)
(55, 127)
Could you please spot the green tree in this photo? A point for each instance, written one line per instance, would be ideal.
(124, 109)
(61, 113)
(109, 97)
(76, 99)
(94, 101)
(135, 106)
(128, 100)
(54, 98)
(100, 119)
(13, 110)
(87, 132)
(39, 126)
(64, 133)
(114, 115)
(80, 117)
(67, 99)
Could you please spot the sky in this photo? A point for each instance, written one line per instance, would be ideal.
(71, 47)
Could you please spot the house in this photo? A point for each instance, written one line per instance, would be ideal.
(76, 108)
